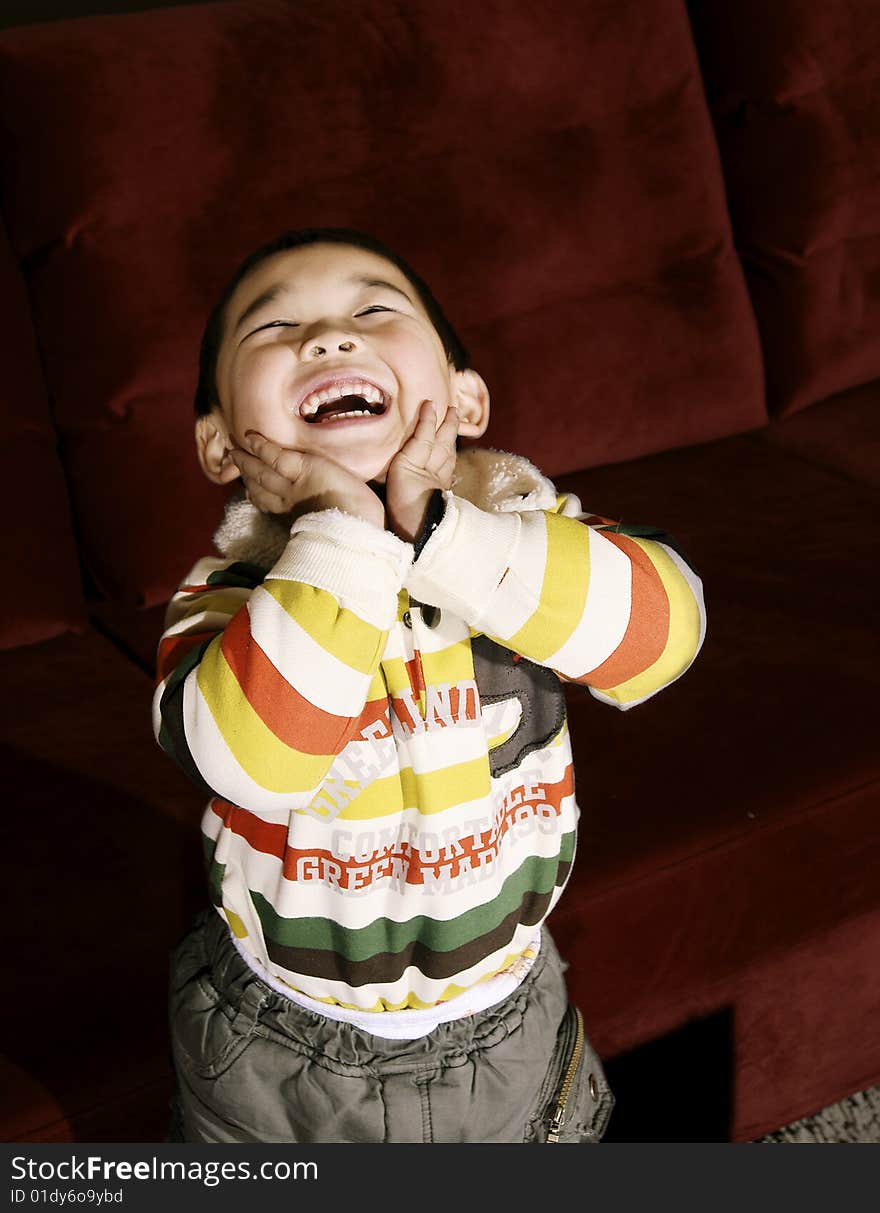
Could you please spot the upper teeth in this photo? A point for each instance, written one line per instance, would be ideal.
(314, 400)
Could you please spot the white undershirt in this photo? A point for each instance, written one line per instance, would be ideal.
(408, 1024)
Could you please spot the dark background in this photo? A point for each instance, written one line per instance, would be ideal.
(31, 12)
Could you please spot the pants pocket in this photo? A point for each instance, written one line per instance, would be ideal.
(576, 1102)
(597, 1100)
(207, 1033)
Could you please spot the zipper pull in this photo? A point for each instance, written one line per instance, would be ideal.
(556, 1126)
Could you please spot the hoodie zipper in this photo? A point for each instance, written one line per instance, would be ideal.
(557, 1120)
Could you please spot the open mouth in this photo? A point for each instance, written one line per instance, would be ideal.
(347, 402)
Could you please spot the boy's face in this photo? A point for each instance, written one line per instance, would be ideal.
(306, 319)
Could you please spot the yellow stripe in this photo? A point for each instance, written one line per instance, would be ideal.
(684, 630)
(239, 930)
(453, 664)
(433, 792)
(396, 676)
(267, 760)
(381, 798)
(436, 791)
(378, 689)
(336, 629)
(563, 591)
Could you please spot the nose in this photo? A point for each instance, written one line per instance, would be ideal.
(326, 343)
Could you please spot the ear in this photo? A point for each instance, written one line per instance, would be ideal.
(471, 397)
(212, 447)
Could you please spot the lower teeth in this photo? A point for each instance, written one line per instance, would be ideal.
(342, 416)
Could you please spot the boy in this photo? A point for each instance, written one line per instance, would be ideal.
(366, 685)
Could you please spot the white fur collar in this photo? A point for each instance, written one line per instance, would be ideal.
(490, 479)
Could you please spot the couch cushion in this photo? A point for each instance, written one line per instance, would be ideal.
(729, 823)
(784, 549)
(136, 631)
(550, 170)
(36, 532)
(793, 89)
(103, 874)
(842, 433)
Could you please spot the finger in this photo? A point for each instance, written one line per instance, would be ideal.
(426, 421)
(269, 503)
(229, 471)
(448, 430)
(265, 497)
(421, 441)
(285, 460)
(443, 454)
(443, 467)
(255, 471)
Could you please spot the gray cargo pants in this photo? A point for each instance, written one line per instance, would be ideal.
(254, 1067)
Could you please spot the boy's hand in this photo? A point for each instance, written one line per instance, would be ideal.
(280, 480)
(425, 462)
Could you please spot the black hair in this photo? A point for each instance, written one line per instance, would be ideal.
(206, 389)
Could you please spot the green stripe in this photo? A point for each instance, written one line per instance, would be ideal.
(384, 935)
(188, 662)
(172, 734)
(239, 574)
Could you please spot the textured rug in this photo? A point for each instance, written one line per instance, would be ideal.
(851, 1121)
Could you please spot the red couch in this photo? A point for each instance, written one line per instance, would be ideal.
(656, 232)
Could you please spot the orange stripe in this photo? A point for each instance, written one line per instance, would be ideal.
(374, 709)
(648, 629)
(280, 706)
(265, 836)
(416, 674)
(172, 650)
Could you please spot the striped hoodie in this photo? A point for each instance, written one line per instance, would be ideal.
(383, 739)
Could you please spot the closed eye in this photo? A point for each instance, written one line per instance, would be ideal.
(272, 324)
(375, 307)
